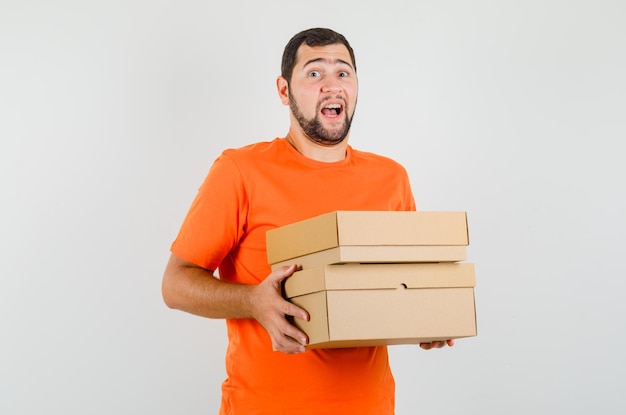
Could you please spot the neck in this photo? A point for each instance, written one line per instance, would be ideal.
(314, 151)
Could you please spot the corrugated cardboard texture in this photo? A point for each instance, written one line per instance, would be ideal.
(366, 228)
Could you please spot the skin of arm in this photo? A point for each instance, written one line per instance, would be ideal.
(193, 289)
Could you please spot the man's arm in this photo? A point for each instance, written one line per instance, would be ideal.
(193, 289)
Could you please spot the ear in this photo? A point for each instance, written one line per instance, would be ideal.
(283, 90)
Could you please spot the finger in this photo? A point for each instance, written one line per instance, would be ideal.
(285, 328)
(285, 271)
(435, 345)
(276, 277)
(292, 332)
(293, 310)
(287, 345)
(290, 349)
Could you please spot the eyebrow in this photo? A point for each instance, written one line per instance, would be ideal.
(329, 61)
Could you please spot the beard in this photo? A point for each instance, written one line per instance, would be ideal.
(314, 129)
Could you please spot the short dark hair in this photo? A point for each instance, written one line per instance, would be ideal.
(311, 37)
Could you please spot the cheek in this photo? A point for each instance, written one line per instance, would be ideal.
(353, 91)
(307, 103)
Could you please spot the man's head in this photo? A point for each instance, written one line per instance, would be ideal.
(311, 37)
(319, 84)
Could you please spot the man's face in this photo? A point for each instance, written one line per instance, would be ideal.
(323, 92)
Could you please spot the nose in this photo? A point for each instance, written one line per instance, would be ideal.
(331, 86)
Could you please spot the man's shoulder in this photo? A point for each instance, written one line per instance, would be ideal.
(375, 158)
(252, 150)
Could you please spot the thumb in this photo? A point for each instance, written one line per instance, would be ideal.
(283, 272)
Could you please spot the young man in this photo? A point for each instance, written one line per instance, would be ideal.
(250, 190)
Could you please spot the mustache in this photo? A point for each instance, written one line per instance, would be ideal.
(322, 102)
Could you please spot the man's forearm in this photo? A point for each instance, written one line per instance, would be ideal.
(195, 290)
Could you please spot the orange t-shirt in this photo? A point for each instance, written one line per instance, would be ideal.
(260, 187)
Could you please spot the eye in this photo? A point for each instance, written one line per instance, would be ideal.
(315, 74)
(343, 74)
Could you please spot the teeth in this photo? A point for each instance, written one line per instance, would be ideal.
(333, 106)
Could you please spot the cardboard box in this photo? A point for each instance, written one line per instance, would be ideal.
(378, 254)
(355, 305)
(366, 228)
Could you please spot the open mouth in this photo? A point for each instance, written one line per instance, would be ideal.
(332, 110)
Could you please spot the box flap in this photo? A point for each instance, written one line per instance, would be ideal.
(379, 276)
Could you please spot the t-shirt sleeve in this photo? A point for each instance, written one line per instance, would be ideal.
(408, 198)
(216, 219)
(405, 199)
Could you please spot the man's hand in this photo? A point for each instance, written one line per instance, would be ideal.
(437, 344)
(270, 309)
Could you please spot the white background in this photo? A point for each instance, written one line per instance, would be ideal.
(111, 113)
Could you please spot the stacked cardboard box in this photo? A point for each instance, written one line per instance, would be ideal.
(378, 277)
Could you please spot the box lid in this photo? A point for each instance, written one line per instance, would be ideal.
(379, 276)
(366, 228)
